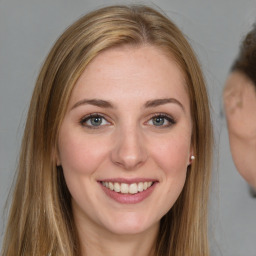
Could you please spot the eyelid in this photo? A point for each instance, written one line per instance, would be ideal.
(168, 117)
(85, 118)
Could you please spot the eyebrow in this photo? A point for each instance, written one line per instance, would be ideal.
(107, 104)
(94, 102)
(159, 102)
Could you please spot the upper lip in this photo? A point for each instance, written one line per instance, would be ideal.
(128, 181)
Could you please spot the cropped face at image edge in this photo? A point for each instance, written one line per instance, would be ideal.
(125, 141)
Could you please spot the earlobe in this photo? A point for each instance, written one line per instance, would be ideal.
(191, 156)
(191, 159)
(58, 162)
(56, 157)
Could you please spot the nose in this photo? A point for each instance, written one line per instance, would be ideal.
(129, 149)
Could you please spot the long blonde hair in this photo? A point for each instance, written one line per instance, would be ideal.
(40, 220)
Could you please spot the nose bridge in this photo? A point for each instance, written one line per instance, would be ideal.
(129, 149)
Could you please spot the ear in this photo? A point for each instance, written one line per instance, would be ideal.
(58, 162)
(191, 156)
(56, 157)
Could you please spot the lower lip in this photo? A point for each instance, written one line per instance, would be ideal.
(129, 198)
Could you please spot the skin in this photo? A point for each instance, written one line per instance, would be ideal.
(127, 144)
(240, 105)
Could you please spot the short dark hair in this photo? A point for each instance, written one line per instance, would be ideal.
(246, 60)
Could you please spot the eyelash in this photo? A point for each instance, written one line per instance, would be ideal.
(88, 117)
(171, 121)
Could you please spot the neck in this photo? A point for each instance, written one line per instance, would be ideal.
(100, 242)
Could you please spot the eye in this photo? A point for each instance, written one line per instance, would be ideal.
(94, 121)
(161, 120)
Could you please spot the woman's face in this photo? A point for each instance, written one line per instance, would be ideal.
(125, 141)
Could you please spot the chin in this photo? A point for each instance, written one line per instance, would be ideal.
(130, 224)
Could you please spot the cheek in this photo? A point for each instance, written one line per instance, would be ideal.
(172, 158)
(172, 155)
(80, 155)
(80, 158)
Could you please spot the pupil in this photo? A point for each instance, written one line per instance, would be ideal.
(158, 121)
(96, 121)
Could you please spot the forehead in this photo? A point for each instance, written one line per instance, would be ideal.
(140, 72)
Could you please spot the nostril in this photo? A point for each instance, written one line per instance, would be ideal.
(129, 150)
(128, 161)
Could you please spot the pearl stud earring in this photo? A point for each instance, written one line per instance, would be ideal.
(192, 157)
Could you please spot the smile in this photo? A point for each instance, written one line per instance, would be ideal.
(125, 188)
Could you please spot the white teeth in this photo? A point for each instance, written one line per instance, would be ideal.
(110, 185)
(140, 187)
(133, 189)
(117, 187)
(125, 188)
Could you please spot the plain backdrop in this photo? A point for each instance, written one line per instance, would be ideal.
(28, 29)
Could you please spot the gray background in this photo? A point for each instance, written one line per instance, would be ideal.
(214, 28)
